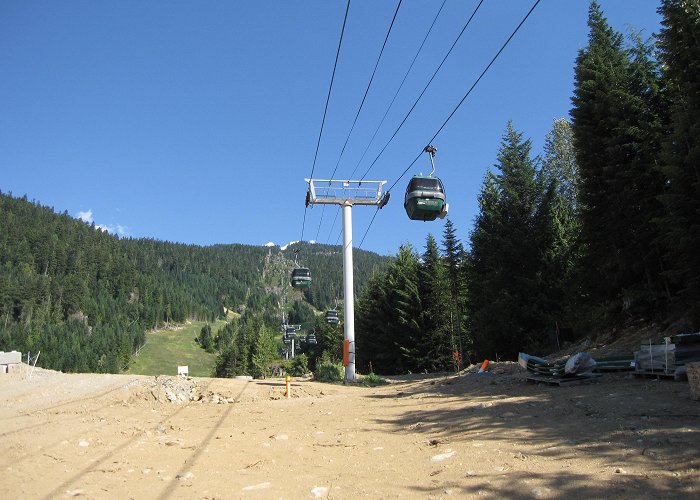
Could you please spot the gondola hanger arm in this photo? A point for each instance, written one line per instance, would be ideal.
(431, 150)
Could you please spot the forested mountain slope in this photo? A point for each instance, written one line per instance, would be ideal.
(85, 297)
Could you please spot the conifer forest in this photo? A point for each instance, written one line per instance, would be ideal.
(598, 230)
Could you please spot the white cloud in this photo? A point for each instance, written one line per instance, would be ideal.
(114, 229)
(269, 244)
(86, 216)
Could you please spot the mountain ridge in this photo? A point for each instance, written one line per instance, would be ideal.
(85, 297)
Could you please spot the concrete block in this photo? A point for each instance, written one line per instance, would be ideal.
(3, 369)
(14, 368)
(7, 358)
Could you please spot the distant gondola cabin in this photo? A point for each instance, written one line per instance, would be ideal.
(425, 198)
(332, 317)
(301, 277)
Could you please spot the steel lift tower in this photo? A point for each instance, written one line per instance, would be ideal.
(346, 194)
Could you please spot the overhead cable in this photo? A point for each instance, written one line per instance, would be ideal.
(367, 230)
(325, 110)
(505, 44)
(424, 89)
(376, 65)
(362, 103)
(425, 38)
(335, 219)
(459, 104)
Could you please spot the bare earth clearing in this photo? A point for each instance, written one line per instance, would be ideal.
(118, 436)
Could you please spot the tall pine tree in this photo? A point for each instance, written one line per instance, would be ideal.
(454, 257)
(504, 254)
(679, 44)
(390, 317)
(559, 227)
(436, 342)
(615, 132)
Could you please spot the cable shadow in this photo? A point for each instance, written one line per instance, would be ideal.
(59, 408)
(79, 399)
(202, 446)
(33, 426)
(58, 489)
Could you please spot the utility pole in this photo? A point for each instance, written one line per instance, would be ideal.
(347, 193)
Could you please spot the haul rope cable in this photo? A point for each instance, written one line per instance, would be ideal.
(505, 44)
(376, 65)
(424, 89)
(398, 90)
(357, 115)
(325, 111)
(396, 94)
(330, 233)
(420, 95)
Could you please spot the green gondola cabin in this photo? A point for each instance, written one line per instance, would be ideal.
(425, 199)
(332, 317)
(301, 278)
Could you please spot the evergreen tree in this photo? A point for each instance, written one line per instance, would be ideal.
(645, 129)
(600, 81)
(224, 337)
(389, 317)
(558, 227)
(263, 350)
(329, 339)
(417, 343)
(616, 133)
(404, 301)
(483, 266)
(504, 259)
(454, 257)
(679, 44)
(560, 164)
(228, 362)
(435, 341)
(372, 317)
(205, 338)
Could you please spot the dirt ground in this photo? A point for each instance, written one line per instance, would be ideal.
(496, 436)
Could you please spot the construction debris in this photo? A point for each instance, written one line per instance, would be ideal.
(614, 363)
(668, 358)
(180, 390)
(574, 369)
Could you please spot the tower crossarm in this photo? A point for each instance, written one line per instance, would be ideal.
(344, 192)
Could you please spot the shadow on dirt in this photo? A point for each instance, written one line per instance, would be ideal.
(642, 424)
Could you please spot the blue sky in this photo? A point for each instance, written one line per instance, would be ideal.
(197, 122)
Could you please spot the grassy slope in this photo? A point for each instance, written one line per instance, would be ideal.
(166, 349)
